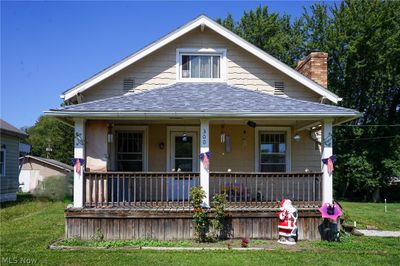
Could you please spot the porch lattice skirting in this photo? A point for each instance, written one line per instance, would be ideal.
(118, 224)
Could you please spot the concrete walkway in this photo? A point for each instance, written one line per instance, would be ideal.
(380, 233)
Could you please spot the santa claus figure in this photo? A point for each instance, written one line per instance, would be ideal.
(287, 223)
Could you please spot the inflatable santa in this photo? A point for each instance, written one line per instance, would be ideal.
(287, 224)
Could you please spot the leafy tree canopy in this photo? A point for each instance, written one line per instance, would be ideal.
(362, 39)
(49, 132)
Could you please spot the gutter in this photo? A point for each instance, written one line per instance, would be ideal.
(78, 114)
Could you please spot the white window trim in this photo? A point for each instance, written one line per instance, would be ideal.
(181, 129)
(145, 130)
(201, 51)
(4, 163)
(288, 145)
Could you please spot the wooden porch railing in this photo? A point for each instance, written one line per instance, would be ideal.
(252, 189)
(158, 189)
(137, 189)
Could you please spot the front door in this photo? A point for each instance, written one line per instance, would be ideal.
(184, 151)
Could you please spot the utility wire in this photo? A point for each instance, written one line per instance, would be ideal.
(396, 125)
(387, 137)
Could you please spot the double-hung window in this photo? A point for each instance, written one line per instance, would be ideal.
(2, 162)
(272, 151)
(130, 151)
(201, 64)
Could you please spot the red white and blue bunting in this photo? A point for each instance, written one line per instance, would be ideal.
(205, 159)
(330, 162)
(77, 163)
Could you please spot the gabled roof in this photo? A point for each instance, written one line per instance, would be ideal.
(202, 100)
(51, 162)
(8, 129)
(200, 22)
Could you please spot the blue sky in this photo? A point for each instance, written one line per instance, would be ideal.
(48, 47)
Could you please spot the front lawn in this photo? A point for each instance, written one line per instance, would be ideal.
(28, 228)
(373, 214)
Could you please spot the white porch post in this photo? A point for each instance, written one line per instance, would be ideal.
(204, 147)
(79, 152)
(327, 147)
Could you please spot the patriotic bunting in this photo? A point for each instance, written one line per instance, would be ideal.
(77, 163)
(329, 162)
(205, 159)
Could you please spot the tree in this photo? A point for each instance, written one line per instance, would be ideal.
(48, 132)
(362, 39)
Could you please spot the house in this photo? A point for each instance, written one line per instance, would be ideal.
(35, 169)
(11, 146)
(200, 106)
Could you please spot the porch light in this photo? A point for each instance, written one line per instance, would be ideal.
(297, 137)
(110, 133)
(161, 145)
(184, 137)
(110, 138)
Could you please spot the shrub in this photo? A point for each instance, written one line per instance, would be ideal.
(53, 188)
(217, 224)
(197, 194)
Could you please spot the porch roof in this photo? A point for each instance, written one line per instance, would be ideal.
(199, 99)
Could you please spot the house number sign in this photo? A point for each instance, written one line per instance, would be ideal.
(204, 137)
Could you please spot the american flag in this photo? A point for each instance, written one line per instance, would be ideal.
(205, 161)
(78, 166)
(330, 166)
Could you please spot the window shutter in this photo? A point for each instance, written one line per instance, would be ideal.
(279, 88)
(129, 84)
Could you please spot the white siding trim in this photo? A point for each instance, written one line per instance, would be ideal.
(288, 145)
(202, 20)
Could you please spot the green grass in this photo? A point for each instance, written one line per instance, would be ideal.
(373, 214)
(28, 228)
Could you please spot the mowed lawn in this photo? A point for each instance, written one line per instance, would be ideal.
(373, 214)
(28, 228)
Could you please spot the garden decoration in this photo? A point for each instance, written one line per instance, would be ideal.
(287, 224)
(330, 161)
(77, 163)
(331, 211)
(205, 159)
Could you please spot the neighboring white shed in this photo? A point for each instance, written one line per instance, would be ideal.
(36, 169)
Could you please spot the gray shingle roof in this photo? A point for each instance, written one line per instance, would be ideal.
(7, 128)
(205, 97)
(56, 163)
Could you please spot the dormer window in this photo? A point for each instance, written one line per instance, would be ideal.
(202, 65)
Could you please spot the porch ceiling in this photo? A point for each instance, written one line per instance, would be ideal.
(203, 100)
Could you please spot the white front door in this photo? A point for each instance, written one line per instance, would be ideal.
(184, 151)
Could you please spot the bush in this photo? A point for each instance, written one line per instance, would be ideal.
(53, 188)
(197, 194)
(217, 224)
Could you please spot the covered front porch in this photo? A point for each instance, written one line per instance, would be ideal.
(152, 165)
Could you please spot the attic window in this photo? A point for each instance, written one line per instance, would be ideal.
(201, 64)
(279, 88)
(129, 83)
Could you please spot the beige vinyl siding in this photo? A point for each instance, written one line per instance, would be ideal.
(9, 183)
(159, 69)
(157, 157)
(304, 154)
(240, 159)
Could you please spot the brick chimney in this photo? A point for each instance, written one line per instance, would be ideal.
(315, 67)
